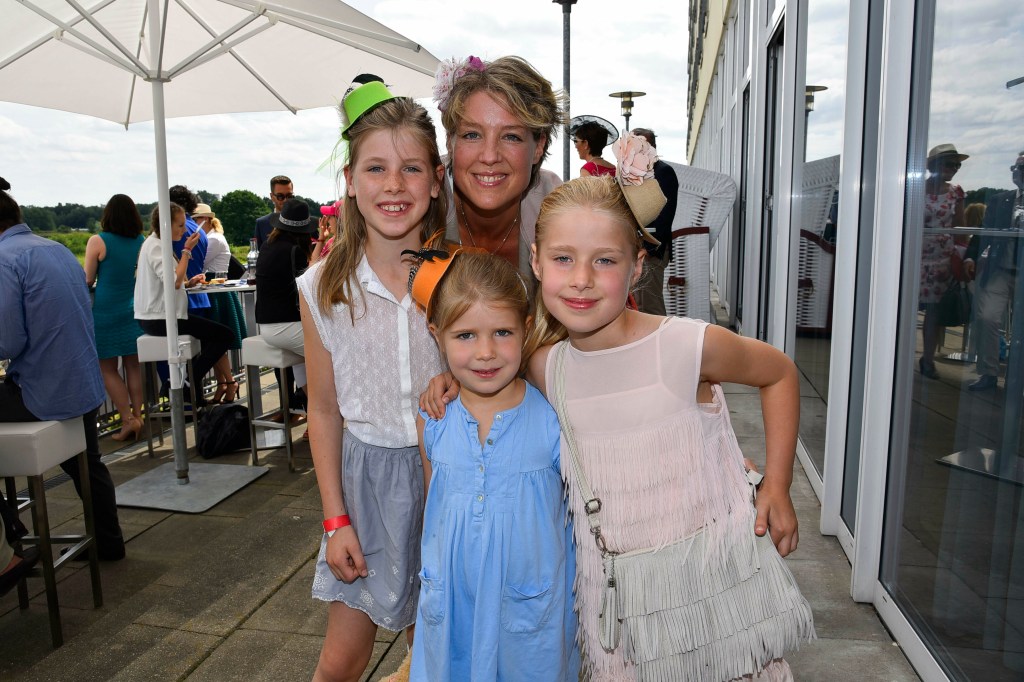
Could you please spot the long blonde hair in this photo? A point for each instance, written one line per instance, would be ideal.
(597, 193)
(336, 283)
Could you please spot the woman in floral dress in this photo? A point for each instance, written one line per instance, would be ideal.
(943, 209)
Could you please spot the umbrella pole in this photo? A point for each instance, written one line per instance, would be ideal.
(175, 364)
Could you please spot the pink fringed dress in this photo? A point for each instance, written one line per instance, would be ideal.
(663, 465)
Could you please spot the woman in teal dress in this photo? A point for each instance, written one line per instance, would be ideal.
(110, 260)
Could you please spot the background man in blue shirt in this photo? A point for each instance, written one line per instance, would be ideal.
(46, 330)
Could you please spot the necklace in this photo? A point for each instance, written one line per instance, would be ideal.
(469, 231)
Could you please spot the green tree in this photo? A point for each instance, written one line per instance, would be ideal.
(980, 195)
(238, 211)
(208, 198)
(39, 218)
(314, 206)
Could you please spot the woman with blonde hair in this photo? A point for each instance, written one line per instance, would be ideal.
(500, 118)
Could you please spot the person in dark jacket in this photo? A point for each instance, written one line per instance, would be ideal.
(283, 257)
(650, 295)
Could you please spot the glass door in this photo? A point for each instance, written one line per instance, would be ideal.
(953, 546)
(773, 91)
(816, 162)
(741, 215)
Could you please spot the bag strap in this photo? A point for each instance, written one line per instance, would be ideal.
(591, 503)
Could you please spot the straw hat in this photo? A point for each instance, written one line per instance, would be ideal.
(203, 211)
(645, 201)
(945, 150)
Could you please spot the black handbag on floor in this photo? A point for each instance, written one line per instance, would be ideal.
(222, 428)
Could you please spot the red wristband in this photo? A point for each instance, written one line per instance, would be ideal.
(336, 522)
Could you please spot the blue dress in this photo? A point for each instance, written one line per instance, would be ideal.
(498, 560)
(113, 309)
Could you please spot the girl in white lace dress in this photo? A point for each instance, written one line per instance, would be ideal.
(368, 355)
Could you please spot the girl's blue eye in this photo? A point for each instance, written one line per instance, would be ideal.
(464, 336)
(504, 332)
(606, 261)
(413, 169)
(561, 259)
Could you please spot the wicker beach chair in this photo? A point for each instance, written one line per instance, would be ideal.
(705, 201)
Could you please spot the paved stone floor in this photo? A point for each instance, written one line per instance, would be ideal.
(224, 595)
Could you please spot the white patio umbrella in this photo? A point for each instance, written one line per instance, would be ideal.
(139, 60)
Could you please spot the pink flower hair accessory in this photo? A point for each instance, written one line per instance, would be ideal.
(635, 157)
(448, 73)
(635, 167)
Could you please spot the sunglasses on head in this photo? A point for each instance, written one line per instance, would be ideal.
(1017, 166)
(282, 197)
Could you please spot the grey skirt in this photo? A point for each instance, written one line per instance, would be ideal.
(383, 491)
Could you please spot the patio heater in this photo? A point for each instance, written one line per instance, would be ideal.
(627, 102)
(809, 91)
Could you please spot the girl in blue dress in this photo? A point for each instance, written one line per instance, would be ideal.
(498, 562)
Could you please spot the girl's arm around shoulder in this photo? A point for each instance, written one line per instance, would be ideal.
(728, 357)
(441, 390)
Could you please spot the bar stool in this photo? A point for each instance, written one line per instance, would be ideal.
(153, 349)
(256, 353)
(30, 449)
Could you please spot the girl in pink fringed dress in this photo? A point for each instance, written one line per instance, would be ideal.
(646, 407)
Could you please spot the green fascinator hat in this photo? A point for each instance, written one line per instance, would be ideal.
(362, 100)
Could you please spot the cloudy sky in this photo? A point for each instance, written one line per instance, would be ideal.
(977, 51)
(52, 157)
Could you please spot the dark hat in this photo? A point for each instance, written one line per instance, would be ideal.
(582, 119)
(294, 217)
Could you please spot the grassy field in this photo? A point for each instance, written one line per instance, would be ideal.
(75, 241)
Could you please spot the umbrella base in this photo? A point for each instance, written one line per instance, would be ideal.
(208, 485)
